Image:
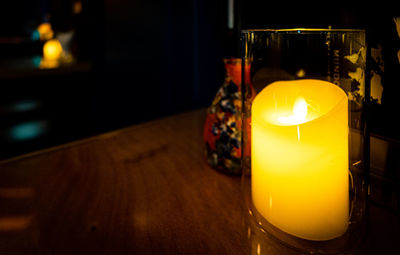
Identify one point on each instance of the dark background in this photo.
(139, 60)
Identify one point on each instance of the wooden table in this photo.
(145, 189)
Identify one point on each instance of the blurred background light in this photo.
(36, 61)
(52, 49)
(77, 7)
(45, 31)
(35, 35)
(24, 106)
(28, 130)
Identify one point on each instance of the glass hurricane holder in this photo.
(305, 176)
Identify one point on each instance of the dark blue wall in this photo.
(147, 59)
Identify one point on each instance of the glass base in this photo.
(265, 238)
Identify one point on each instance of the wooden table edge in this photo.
(96, 137)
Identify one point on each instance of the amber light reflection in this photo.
(19, 221)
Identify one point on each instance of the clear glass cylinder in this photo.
(305, 171)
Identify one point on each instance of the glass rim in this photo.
(301, 30)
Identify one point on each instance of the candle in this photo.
(52, 49)
(299, 157)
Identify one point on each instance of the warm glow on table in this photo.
(299, 158)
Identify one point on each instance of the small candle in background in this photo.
(52, 49)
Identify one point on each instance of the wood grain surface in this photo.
(140, 190)
(145, 189)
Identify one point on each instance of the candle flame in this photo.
(300, 109)
(299, 113)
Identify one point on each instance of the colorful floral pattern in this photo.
(223, 126)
